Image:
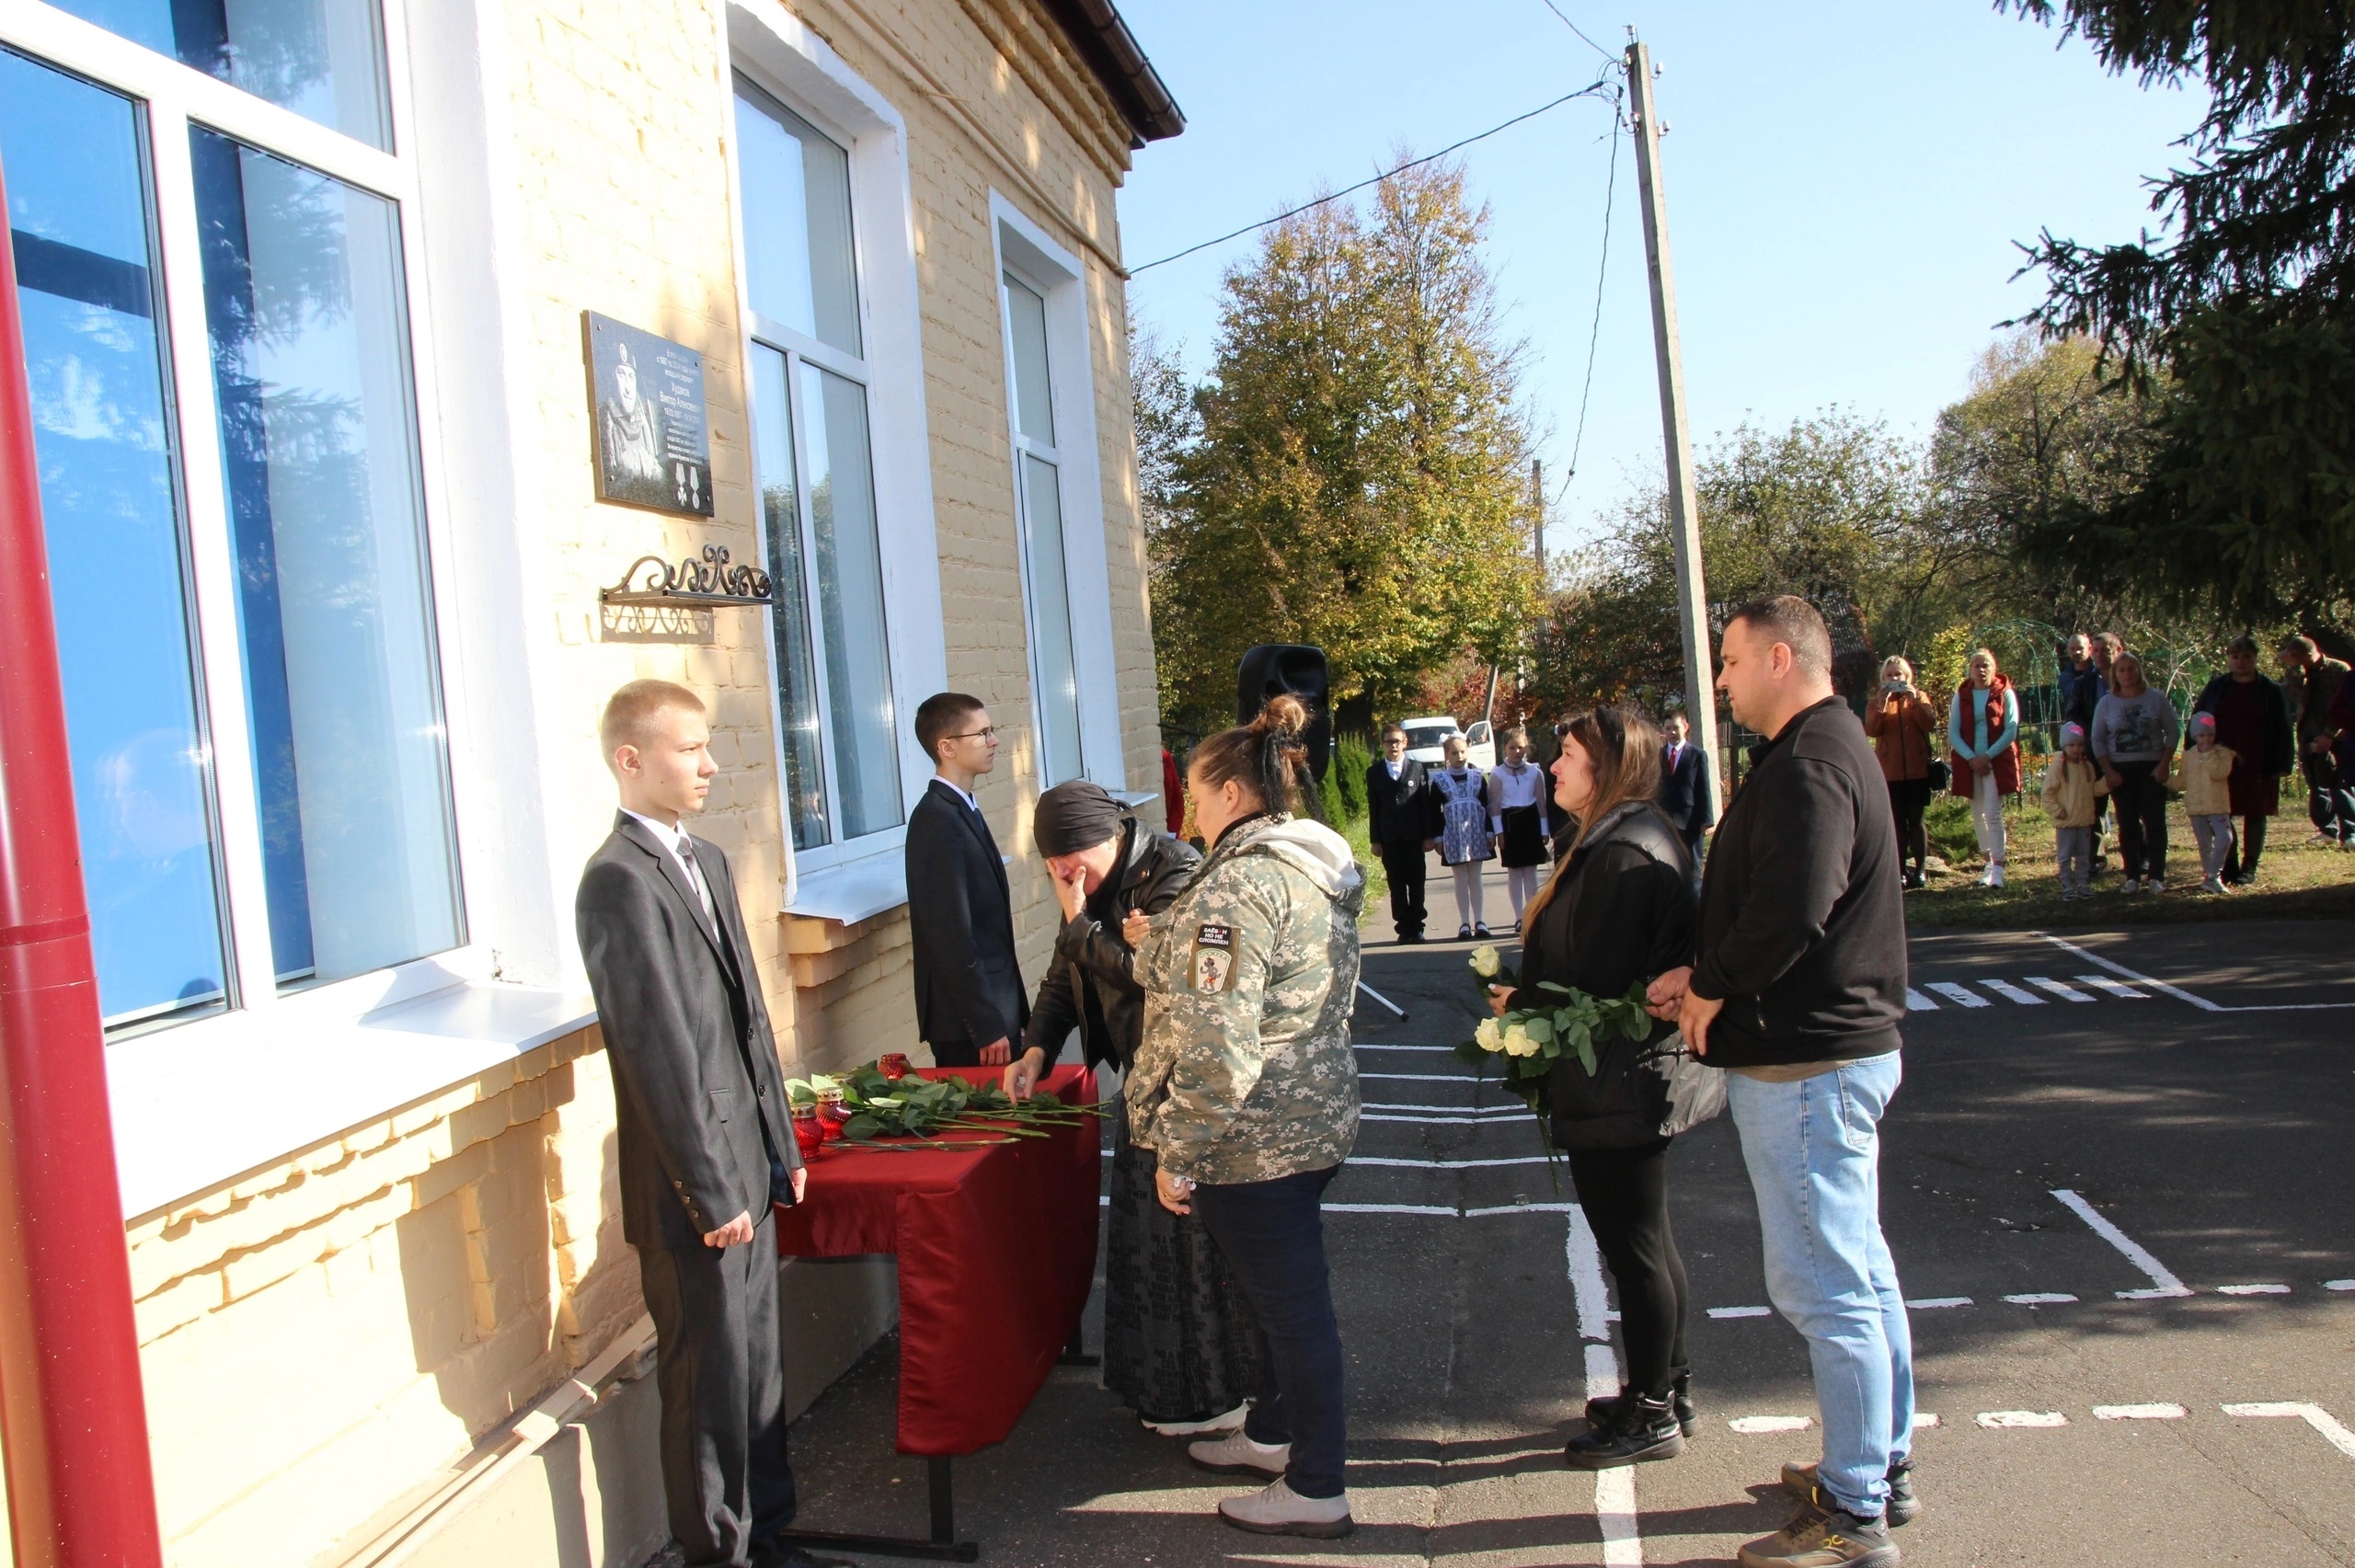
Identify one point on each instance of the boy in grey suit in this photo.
(704, 1136)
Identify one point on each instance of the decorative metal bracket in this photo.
(691, 584)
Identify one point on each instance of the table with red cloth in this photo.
(997, 1254)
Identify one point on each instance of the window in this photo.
(1038, 501)
(218, 347)
(1058, 505)
(815, 464)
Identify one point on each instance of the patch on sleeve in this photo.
(1213, 967)
(1214, 936)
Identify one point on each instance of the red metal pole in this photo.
(73, 1415)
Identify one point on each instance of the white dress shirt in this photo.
(674, 838)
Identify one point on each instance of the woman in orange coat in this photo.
(1900, 719)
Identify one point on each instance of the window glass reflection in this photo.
(805, 784)
(323, 58)
(794, 184)
(78, 222)
(304, 299)
(1050, 601)
(850, 600)
(1034, 403)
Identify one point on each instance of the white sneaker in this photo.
(2213, 884)
(2133, 884)
(1226, 1423)
(1995, 875)
(1237, 1454)
(2156, 885)
(1277, 1509)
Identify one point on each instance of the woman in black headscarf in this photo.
(1179, 1340)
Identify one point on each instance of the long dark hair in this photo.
(1623, 749)
(1266, 757)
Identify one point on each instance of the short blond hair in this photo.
(630, 710)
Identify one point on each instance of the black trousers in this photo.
(722, 1384)
(2330, 803)
(1625, 1195)
(1272, 1235)
(1908, 799)
(1403, 864)
(2248, 847)
(956, 1053)
(2141, 803)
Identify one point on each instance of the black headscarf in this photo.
(1077, 816)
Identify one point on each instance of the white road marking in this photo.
(2313, 1415)
(1522, 1209)
(2138, 1412)
(1451, 1212)
(1994, 1420)
(1741, 1312)
(2252, 1290)
(1924, 1418)
(2066, 994)
(2118, 988)
(2041, 1299)
(1748, 1424)
(1614, 1490)
(2182, 995)
(2163, 1283)
(1916, 1003)
(2011, 992)
(2338, 1285)
(1938, 1303)
(1956, 994)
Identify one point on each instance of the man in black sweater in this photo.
(1398, 821)
(1797, 990)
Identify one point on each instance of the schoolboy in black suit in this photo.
(1397, 797)
(704, 1137)
(1684, 786)
(970, 1003)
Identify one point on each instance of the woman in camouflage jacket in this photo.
(1246, 1091)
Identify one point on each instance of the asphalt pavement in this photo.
(2120, 1183)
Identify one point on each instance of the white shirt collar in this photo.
(962, 793)
(669, 837)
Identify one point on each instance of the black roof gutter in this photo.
(1104, 41)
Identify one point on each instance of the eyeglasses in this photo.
(969, 734)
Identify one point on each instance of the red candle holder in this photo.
(832, 1113)
(894, 1066)
(808, 1132)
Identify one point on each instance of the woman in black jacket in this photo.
(1618, 911)
(1180, 1345)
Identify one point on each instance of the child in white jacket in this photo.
(2205, 775)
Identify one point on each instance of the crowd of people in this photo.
(1218, 978)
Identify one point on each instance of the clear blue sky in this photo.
(1845, 184)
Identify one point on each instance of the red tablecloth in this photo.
(997, 1253)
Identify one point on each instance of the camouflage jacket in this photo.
(1245, 1071)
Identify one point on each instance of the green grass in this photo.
(1377, 886)
(2298, 878)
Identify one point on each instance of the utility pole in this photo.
(1683, 505)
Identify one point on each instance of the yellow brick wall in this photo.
(321, 1338)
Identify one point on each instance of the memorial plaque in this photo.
(653, 439)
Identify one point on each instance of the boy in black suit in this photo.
(971, 1003)
(1398, 797)
(704, 1137)
(1684, 786)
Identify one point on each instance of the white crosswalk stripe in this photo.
(2066, 994)
(1957, 994)
(1916, 1003)
(2011, 992)
(2116, 987)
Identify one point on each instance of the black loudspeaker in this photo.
(1292, 668)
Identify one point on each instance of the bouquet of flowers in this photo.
(1527, 1041)
(877, 1106)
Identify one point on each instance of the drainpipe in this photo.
(72, 1416)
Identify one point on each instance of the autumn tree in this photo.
(1354, 479)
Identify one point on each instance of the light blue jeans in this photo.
(1813, 1151)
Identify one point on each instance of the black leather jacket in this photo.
(1089, 985)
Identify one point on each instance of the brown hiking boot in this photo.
(1903, 1506)
(1824, 1535)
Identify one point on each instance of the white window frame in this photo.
(1022, 248)
(770, 48)
(175, 96)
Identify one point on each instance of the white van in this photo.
(1425, 736)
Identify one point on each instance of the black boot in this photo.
(1599, 1411)
(1641, 1429)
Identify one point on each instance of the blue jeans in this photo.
(1272, 1234)
(1813, 1151)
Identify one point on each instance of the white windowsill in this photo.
(181, 1127)
(853, 891)
(1134, 799)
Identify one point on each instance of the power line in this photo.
(1596, 87)
(1581, 32)
(1601, 269)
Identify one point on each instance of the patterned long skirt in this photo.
(1180, 1343)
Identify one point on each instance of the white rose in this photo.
(1518, 1042)
(1487, 961)
(1489, 1036)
